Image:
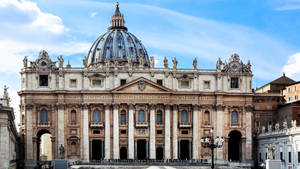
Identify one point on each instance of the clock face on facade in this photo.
(235, 66)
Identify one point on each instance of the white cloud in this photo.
(93, 14)
(36, 19)
(292, 67)
(285, 5)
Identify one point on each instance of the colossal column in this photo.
(248, 120)
(28, 121)
(167, 132)
(175, 124)
(219, 128)
(130, 133)
(107, 131)
(60, 124)
(116, 133)
(85, 132)
(195, 132)
(152, 132)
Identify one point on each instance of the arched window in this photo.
(44, 116)
(123, 117)
(73, 116)
(206, 118)
(141, 116)
(73, 148)
(184, 116)
(96, 116)
(159, 117)
(234, 117)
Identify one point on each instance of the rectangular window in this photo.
(281, 157)
(298, 156)
(184, 132)
(289, 99)
(158, 131)
(290, 157)
(296, 97)
(159, 117)
(123, 131)
(206, 84)
(185, 84)
(97, 83)
(234, 82)
(289, 90)
(73, 83)
(260, 157)
(269, 107)
(123, 81)
(96, 131)
(43, 80)
(159, 81)
(295, 88)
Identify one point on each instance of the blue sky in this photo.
(266, 32)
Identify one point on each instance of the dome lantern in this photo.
(117, 19)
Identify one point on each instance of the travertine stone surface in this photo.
(130, 134)
(85, 134)
(195, 132)
(29, 143)
(175, 140)
(107, 132)
(152, 133)
(167, 132)
(116, 149)
(60, 126)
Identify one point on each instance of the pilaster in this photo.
(248, 121)
(60, 124)
(219, 129)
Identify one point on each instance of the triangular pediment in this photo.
(141, 85)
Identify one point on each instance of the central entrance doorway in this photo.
(159, 153)
(141, 149)
(97, 149)
(235, 146)
(123, 153)
(185, 150)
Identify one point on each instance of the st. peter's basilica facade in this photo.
(120, 106)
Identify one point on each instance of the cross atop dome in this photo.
(117, 20)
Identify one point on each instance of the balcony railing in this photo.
(142, 124)
(44, 124)
(185, 125)
(96, 124)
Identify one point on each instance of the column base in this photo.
(29, 164)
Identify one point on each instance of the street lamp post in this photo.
(210, 142)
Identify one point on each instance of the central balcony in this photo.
(185, 125)
(96, 124)
(141, 124)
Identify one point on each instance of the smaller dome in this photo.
(117, 44)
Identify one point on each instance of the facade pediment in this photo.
(142, 85)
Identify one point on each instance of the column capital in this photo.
(195, 106)
(249, 108)
(85, 105)
(152, 106)
(175, 107)
(29, 106)
(220, 107)
(60, 105)
(131, 106)
(167, 106)
(107, 105)
(116, 105)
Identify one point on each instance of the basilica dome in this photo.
(118, 45)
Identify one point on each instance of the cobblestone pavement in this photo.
(148, 167)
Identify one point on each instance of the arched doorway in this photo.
(123, 153)
(44, 146)
(235, 146)
(159, 153)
